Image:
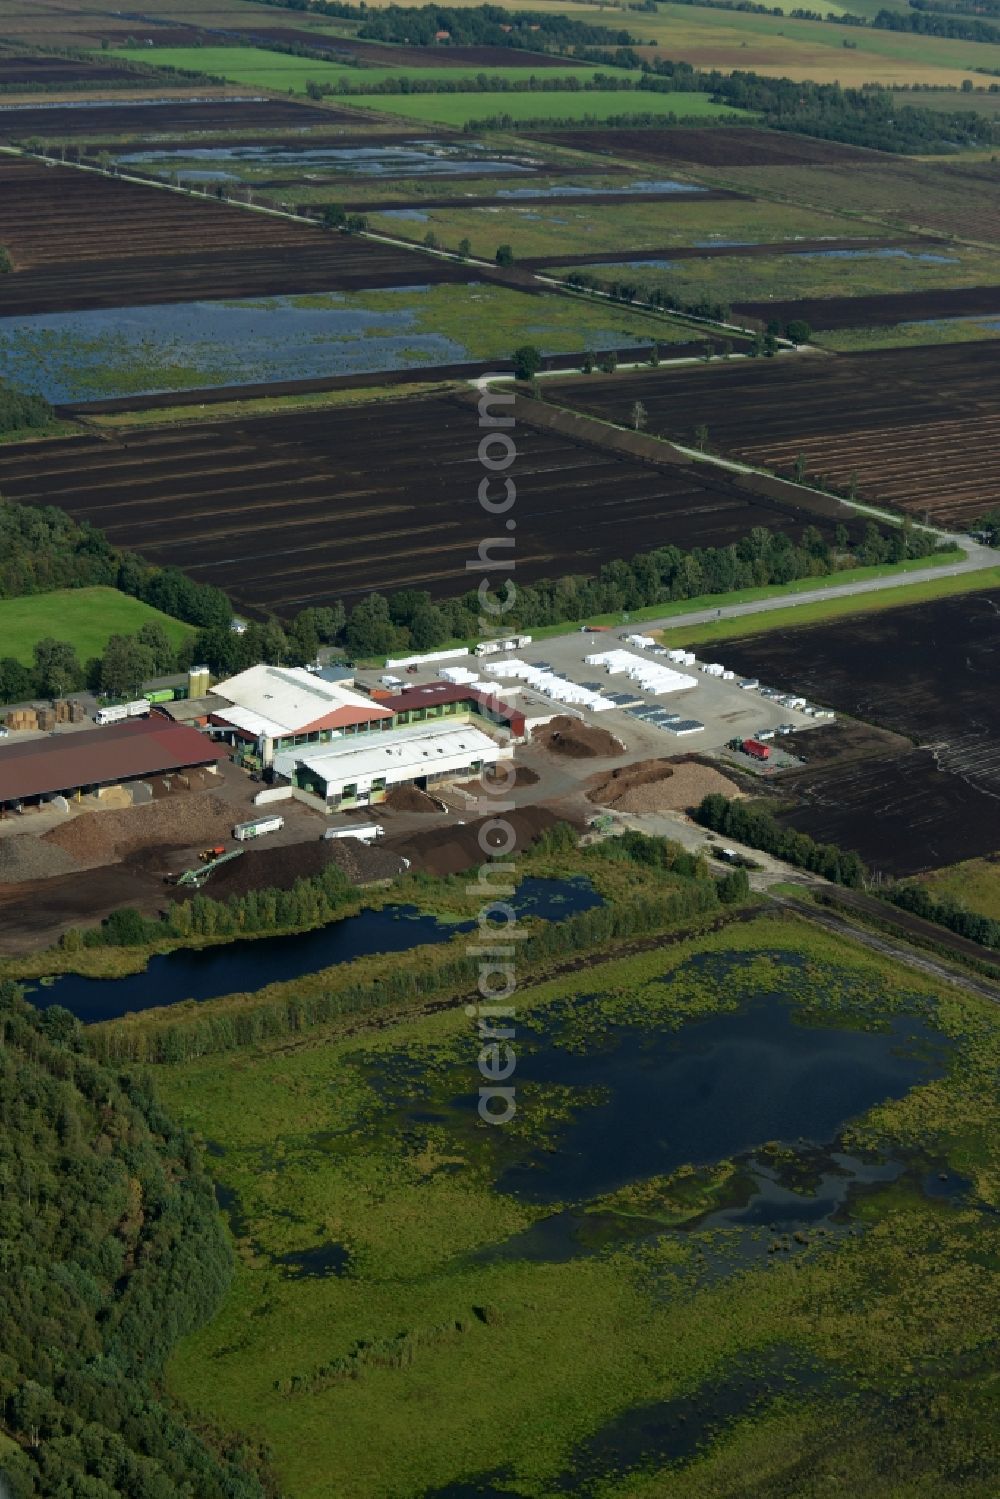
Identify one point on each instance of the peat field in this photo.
(715, 145)
(917, 427)
(145, 118)
(297, 509)
(928, 672)
(81, 240)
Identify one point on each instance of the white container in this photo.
(366, 832)
(257, 829)
(112, 715)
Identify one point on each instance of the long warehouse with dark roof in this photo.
(93, 758)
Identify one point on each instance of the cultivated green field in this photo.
(260, 68)
(86, 617)
(574, 226)
(596, 104)
(423, 1301)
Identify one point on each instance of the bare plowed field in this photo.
(144, 120)
(880, 311)
(56, 72)
(69, 233)
(928, 672)
(713, 146)
(301, 509)
(918, 427)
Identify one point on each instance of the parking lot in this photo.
(705, 716)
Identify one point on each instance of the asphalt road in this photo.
(976, 559)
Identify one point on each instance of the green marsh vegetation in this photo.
(566, 225)
(529, 1306)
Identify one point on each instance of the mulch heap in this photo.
(580, 741)
(279, 868)
(180, 821)
(410, 799)
(449, 850)
(658, 786)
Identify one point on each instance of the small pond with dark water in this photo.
(247, 965)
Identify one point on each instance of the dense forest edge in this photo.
(113, 1250)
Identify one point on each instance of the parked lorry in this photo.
(257, 829)
(121, 711)
(501, 643)
(367, 832)
(756, 750)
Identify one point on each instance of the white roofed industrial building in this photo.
(359, 772)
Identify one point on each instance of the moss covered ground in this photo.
(385, 1337)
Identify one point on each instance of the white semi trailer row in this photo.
(117, 714)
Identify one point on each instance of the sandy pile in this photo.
(580, 741)
(658, 786)
(25, 857)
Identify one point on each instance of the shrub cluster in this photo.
(758, 829)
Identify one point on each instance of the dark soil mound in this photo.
(279, 868)
(450, 850)
(410, 799)
(579, 741)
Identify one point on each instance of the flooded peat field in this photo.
(717, 1154)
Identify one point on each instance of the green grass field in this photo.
(86, 617)
(459, 109)
(574, 226)
(259, 68)
(461, 1362)
(974, 884)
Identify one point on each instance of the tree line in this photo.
(757, 829)
(410, 619)
(112, 1251)
(19, 410)
(944, 912)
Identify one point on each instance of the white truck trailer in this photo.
(137, 709)
(257, 828)
(367, 832)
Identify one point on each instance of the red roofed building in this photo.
(445, 699)
(271, 709)
(67, 764)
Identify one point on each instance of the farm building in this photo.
(452, 700)
(270, 709)
(93, 760)
(360, 771)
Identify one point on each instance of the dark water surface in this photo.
(208, 972)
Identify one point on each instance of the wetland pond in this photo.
(758, 1089)
(244, 966)
(123, 351)
(417, 158)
